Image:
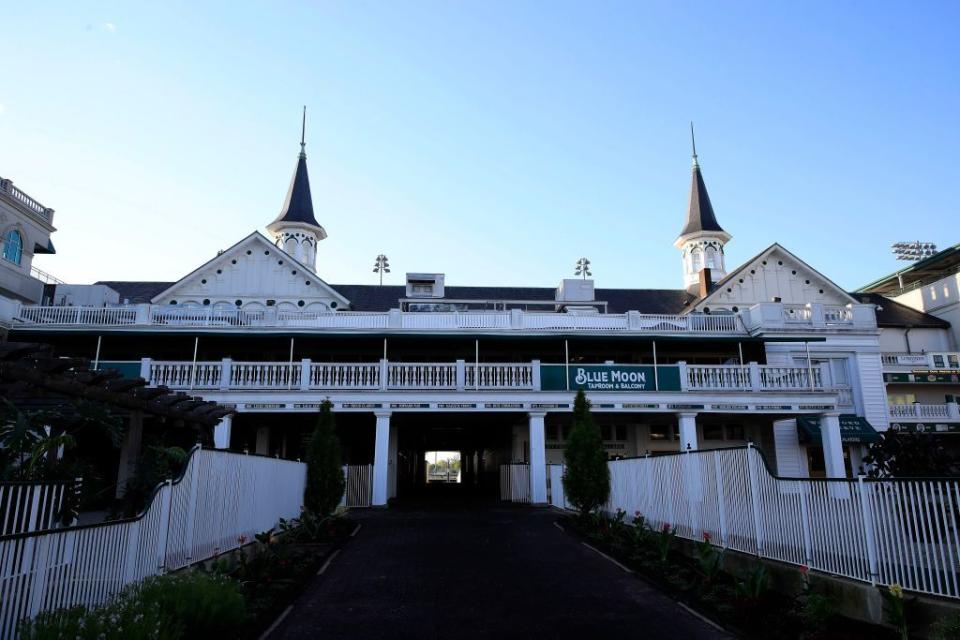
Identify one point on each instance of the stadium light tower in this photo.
(381, 265)
(913, 251)
(583, 268)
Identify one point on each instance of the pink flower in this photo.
(636, 513)
(804, 570)
(665, 528)
(706, 536)
(242, 540)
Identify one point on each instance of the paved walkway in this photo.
(478, 572)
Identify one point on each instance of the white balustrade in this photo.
(7, 186)
(499, 376)
(775, 378)
(917, 410)
(718, 378)
(340, 375)
(797, 313)
(222, 500)
(422, 375)
(837, 315)
(264, 375)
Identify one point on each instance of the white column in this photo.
(832, 445)
(392, 464)
(381, 460)
(538, 459)
(221, 432)
(688, 431)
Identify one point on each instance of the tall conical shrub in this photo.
(325, 481)
(587, 478)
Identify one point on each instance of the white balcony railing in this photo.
(753, 377)
(304, 375)
(926, 360)
(916, 411)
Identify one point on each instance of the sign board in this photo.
(925, 427)
(609, 377)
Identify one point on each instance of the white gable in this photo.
(256, 274)
(774, 275)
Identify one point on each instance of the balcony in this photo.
(306, 375)
(947, 412)
(939, 360)
(761, 318)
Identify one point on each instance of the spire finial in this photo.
(693, 143)
(303, 132)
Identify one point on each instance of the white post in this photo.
(755, 382)
(164, 528)
(192, 503)
(384, 373)
(226, 366)
(392, 464)
(304, 374)
(381, 460)
(802, 489)
(222, 431)
(96, 357)
(145, 364)
(535, 375)
(755, 497)
(866, 508)
(688, 431)
(538, 459)
(684, 382)
(462, 375)
(832, 445)
(953, 410)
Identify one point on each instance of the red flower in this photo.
(804, 569)
(665, 528)
(706, 536)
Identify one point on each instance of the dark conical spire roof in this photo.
(298, 205)
(700, 215)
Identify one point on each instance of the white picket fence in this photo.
(877, 531)
(222, 500)
(31, 506)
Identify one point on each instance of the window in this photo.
(12, 246)
(660, 432)
(553, 432)
(735, 432)
(712, 432)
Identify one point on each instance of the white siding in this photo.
(873, 392)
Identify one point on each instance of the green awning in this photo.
(852, 429)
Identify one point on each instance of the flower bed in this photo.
(694, 573)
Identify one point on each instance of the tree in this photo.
(325, 481)
(909, 455)
(587, 478)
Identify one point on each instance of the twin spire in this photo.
(700, 216)
(298, 205)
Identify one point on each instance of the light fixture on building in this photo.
(583, 268)
(913, 251)
(381, 265)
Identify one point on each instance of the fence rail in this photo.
(359, 485)
(220, 499)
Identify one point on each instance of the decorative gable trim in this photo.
(773, 273)
(256, 273)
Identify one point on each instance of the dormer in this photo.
(425, 285)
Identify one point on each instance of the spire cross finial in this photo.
(693, 143)
(303, 131)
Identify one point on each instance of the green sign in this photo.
(923, 377)
(609, 377)
(852, 429)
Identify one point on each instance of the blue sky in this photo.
(494, 141)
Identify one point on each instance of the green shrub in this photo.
(587, 478)
(171, 607)
(325, 481)
(946, 628)
(199, 605)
